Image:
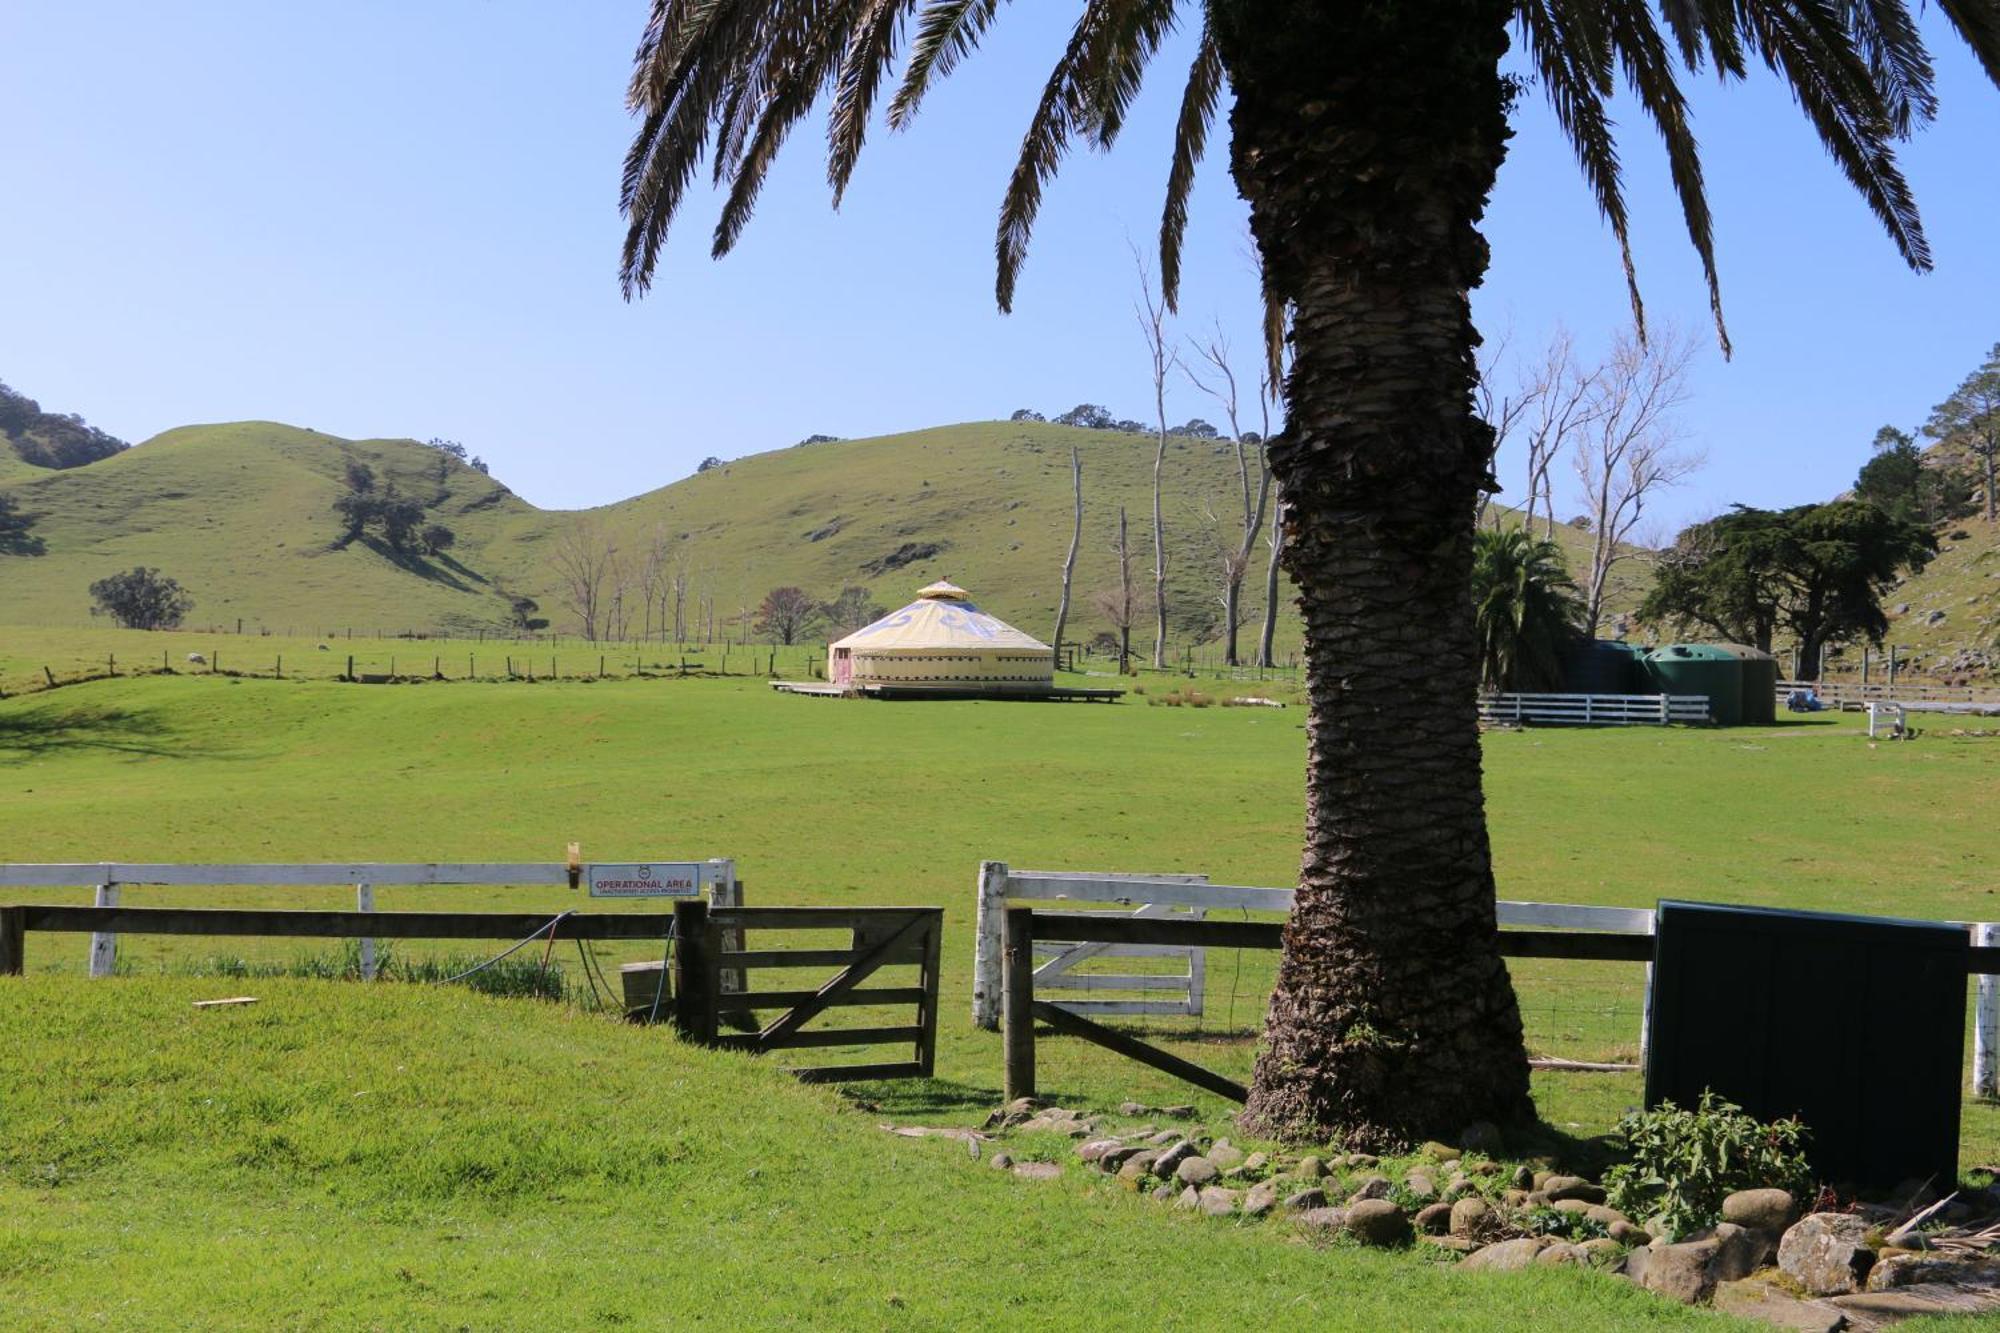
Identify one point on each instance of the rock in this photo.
(1524, 1179)
(1000, 1161)
(1225, 1155)
(1540, 1181)
(1456, 1244)
(1257, 1161)
(1434, 1219)
(1363, 1159)
(1559, 1188)
(1681, 1272)
(1051, 1122)
(1164, 1137)
(1627, 1234)
(1909, 1270)
(1134, 1109)
(1514, 1198)
(1188, 1200)
(1305, 1200)
(1739, 1251)
(1827, 1254)
(1219, 1202)
(1484, 1169)
(1038, 1171)
(1378, 1222)
(1473, 1218)
(1764, 1210)
(1375, 1187)
(1170, 1158)
(1605, 1216)
(1508, 1255)
(1602, 1253)
(1420, 1185)
(1934, 618)
(1013, 1113)
(1093, 1149)
(1261, 1199)
(1177, 1112)
(1138, 1165)
(1437, 1152)
(1117, 1157)
(1309, 1168)
(1562, 1254)
(1767, 1305)
(1909, 1238)
(1483, 1137)
(1573, 1207)
(1162, 1192)
(1901, 609)
(1322, 1221)
(1196, 1171)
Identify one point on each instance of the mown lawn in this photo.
(423, 1158)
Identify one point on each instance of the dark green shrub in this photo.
(1684, 1163)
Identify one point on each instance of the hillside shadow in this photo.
(918, 1099)
(21, 543)
(38, 733)
(441, 568)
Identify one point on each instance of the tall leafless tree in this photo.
(653, 582)
(1116, 603)
(583, 559)
(1221, 386)
(1152, 313)
(1501, 411)
(1562, 399)
(1075, 540)
(1629, 449)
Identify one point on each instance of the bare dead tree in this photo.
(653, 581)
(1560, 401)
(1115, 604)
(583, 558)
(1500, 411)
(1629, 450)
(1075, 540)
(617, 582)
(1236, 557)
(679, 584)
(1152, 314)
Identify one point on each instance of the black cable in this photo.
(661, 989)
(510, 949)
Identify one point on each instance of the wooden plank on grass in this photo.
(1134, 1049)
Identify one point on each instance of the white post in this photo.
(1197, 973)
(364, 900)
(104, 943)
(1664, 715)
(1986, 1020)
(992, 912)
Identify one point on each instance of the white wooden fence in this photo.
(1595, 710)
(717, 876)
(999, 887)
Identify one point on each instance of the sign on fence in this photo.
(660, 879)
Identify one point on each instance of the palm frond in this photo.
(1204, 89)
(1064, 106)
(1898, 62)
(1127, 40)
(870, 53)
(948, 32)
(1978, 22)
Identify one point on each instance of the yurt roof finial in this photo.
(943, 591)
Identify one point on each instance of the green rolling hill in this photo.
(242, 514)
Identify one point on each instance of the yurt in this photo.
(943, 643)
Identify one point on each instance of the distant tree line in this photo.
(453, 449)
(52, 439)
(1092, 416)
(787, 614)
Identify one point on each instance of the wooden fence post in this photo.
(103, 944)
(13, 940)
(364, 901)
(1986, 1020)
(694, 972)
(1018, 1004)
(992, 898)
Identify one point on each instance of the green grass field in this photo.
(835, 802)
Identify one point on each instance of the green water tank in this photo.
(1701, 668)
(1760, 683)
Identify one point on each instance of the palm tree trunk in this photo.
(1366, 138)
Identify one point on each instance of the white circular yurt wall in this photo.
(942, 641)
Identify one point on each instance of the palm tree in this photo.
(1365, 138)
(1525, 609)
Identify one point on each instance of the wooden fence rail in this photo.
(1020, 1010)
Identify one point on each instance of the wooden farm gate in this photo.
(709, 944)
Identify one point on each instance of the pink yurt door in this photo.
(843, 667)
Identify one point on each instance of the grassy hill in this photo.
(242, 515)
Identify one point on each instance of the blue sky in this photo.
(396, 219)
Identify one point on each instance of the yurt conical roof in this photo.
(943, 616)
